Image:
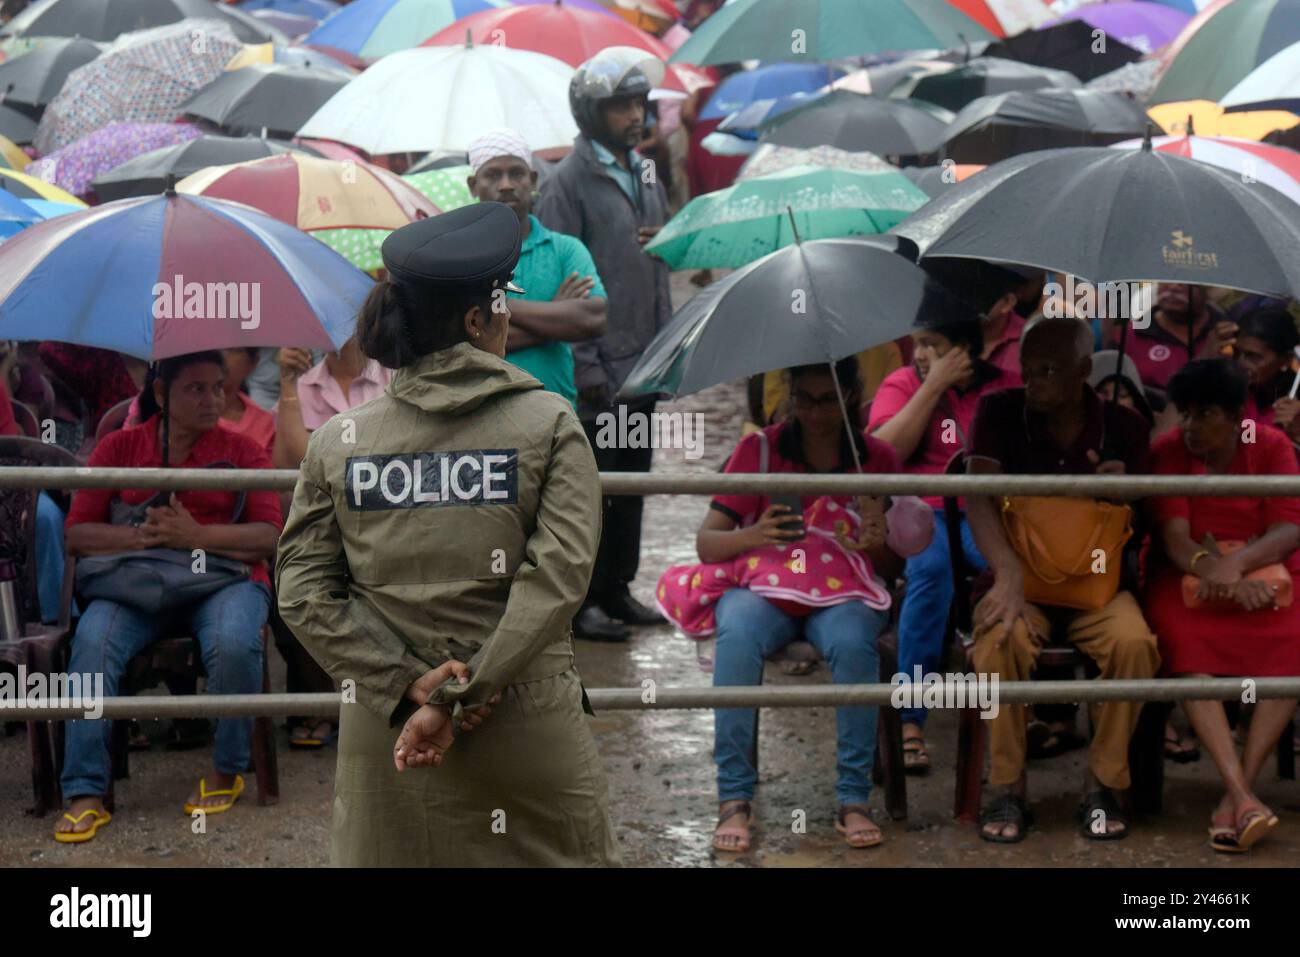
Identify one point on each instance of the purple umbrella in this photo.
(75, 165)
(1141, 25)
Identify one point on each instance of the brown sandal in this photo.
(1254, 820)
(849, 836)
(916, 759)
(742, 807)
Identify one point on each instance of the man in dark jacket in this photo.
(609, 197)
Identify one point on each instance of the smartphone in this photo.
(795, 504)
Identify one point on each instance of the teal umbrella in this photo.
(735, 226)
(816, 30)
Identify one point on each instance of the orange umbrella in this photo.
(1207, 118)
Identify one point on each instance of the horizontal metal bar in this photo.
(711, 483)
(634, 699)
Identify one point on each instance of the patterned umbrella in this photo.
(445, 187)
(160, 276)
(141, 78)
(29, 187)
(352, 207)
(75, 165)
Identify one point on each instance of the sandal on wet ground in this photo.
(1043, 741)
(742, 807)
(916, 758)
(232, 793)
(311, 739)
(80, 837)
(860, 836)
(1223, 833)
(1006, 808)
(1181, 749)
(1098, 809)
(1254, 821)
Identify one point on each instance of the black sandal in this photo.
(1180, 749)
(1006, 808)
(1102, 801)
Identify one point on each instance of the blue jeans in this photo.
(49, 556)
(228, 626)
(749, 629)
(924, 615)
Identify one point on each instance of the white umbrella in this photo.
(442, 97)
(1273, 85)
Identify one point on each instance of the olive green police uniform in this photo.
(456, 516)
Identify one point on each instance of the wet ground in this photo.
(660, 769)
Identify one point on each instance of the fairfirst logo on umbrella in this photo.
(209, 300)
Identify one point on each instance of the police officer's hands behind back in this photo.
(427, 734)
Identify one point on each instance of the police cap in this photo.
(474, 246)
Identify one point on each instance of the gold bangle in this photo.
(1197, 557)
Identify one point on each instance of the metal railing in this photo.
(677, 699)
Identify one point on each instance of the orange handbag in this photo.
(1275, 574)
(1057, 541)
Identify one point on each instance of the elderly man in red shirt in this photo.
(226, 622)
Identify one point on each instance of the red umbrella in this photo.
(1004, 18)
(570, 34)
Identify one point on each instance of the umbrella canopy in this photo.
(997, 127)
(748, 120)
(569, 34)
(389, 109)
(16, 215)
(290, 24)
(769, 82)
(1276, 166)
(1210, 119)
(148, 173)
(371, 29)
(318, 9)
(440, 159)
(11, 155)
(1066, 46)
(652, 16)
(828, 29)
(161, 276)
(109, 19)
(19, 123)
(446, 188)
(933, 180)
(736, 225)
(770, 158)
(982, 76)
(29, 187)
(1132, 216)
(289, 56)
(1273, 85)
(1138, 78)
(74, 166)
(1221, 46)
(1189, 7)
(1141, 25)
(264, 96)
(882, 78)
(859, 293)
(141, 78)
(35, 78)
(1005, 18)
(851, 121)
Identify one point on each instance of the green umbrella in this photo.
(811, 31)
(737, 225)
(1213, 58)
(445, 187)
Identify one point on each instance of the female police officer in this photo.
(456, 517)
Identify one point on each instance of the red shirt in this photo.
(8, 425)
(1159, 354)
(138, 447)
(97, 375)
(1006, 352)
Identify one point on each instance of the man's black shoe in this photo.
(630, 611)
(592, 624)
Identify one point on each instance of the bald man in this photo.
(1055, 424)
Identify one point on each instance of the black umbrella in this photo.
(932, 180)
(856, 122)
(1067, 46)
(441, 159)
(995, 128)
(264, 96)
(18, 122)
(983, 76)
(107, 19)
(1118, 216)
(36, 77)
(147, 174)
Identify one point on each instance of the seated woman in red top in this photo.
(227, 623)
(1266, 341)
(1236, 628)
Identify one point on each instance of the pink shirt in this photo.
(943, 438)
(1006, 352)
(321, 398)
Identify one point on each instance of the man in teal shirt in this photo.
(564, 300)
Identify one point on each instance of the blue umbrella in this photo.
(746, 121)
(769, 82)
(316, 9)
(16, 215)
(165, 275)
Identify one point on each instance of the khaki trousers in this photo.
(1116, 637)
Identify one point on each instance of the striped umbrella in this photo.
(1274, 85)
(29, 187)
(352, 207)
(74, 166)
(141, 78)
(371, 29)
(1274, 166)
(161, 276)
(16, 215)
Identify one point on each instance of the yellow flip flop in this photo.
(79, 837)
(232, 793)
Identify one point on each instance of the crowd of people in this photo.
(997, 378)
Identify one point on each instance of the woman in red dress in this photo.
(1237, 629)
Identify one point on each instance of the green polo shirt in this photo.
(546, 258)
